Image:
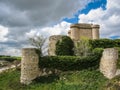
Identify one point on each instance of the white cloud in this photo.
(108, 19)
(58, 29)
(32, 33)
(11, 51)
(3, 32)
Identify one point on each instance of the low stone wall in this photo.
(108, 62)
(29, 65)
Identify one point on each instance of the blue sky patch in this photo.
(92, 5)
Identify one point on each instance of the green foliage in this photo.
(65, 46)
(104, 43)
(82, 47)
(97, 52)
(74, 80)
(9, 58)
(66, 63)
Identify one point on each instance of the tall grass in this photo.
(70, 80)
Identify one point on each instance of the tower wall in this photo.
(95, 31)
(85, 33)
(90, 31)
(75, 33)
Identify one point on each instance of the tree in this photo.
(64, 46)
(82, 47)
(38, 42)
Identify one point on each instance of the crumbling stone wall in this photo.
(108, 62)
(52, 44)
(29, 65)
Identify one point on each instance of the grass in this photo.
(70, 80)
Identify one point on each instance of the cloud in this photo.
(108, 19)
(61, 28)
(28, 16)
(37, 12)
(3, 33)
(9, 51)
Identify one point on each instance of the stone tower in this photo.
(77, 31)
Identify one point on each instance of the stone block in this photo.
(29, 65)
(108, 62)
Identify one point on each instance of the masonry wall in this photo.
(77, 31)
(108, 62)
(52, 44)
(95, 31)
(85, 33)
(29, 65)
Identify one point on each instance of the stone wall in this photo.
(52, 44)
(95, 31)
(29, 65)
(108, 62)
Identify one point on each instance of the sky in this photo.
(21, 19)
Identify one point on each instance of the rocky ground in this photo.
(6, 65)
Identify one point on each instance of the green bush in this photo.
(97, 52)
(104, 43)
(10, 58)
(65, 46)
(82, 47)
(67, 63)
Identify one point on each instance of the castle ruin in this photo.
(52, 44)
(76, 32)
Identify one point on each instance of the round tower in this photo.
(69, 33)
(95, 31)
(74, 32)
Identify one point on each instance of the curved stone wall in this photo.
(95, 31)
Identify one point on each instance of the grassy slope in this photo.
(77, 80)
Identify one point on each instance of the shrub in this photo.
(64, 46)
(82, 47)
(10, 58)
(97, 52)
(66, 63)
(104, 43)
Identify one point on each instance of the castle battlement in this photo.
(90, 31)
